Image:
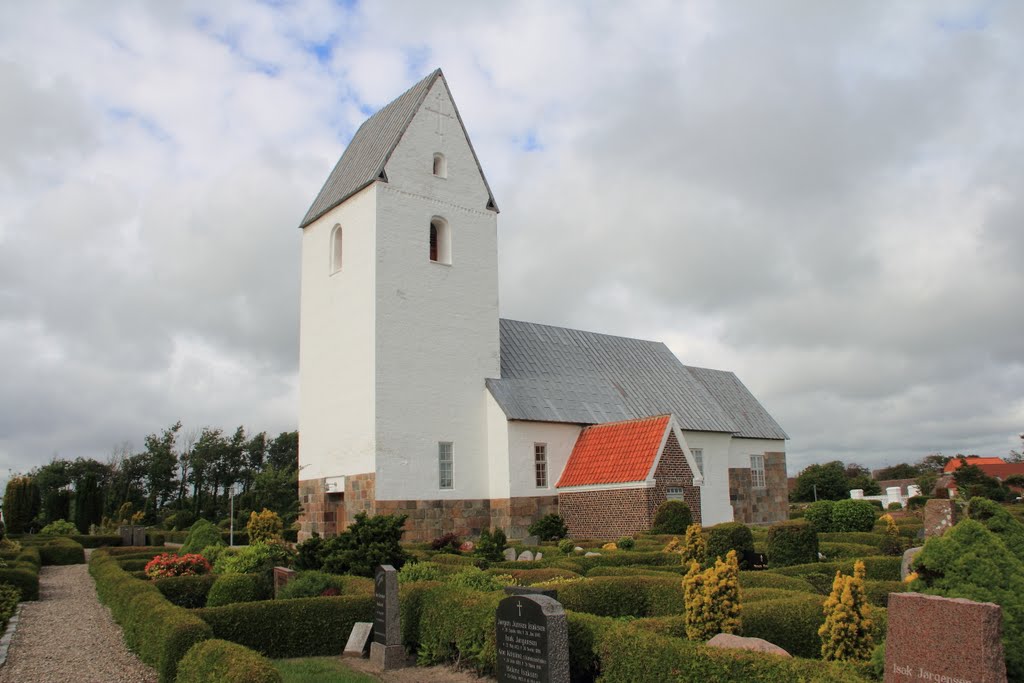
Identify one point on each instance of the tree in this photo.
(900, 471)
(828, 479)
(712, 598)
(161, 465)
(21, 504)
(972, 481)
(88, 503)
(283, 451)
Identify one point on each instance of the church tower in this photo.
(399, 318)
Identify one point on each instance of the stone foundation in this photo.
(760, 506)
(320, 509)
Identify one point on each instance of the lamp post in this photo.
(231, 537)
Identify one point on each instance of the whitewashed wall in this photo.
(714, 494)
(560, 439)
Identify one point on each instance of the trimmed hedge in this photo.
(790, 543)
(863, 537)
(61, 551)
(624, 596)
(878, 591)
(97, 541)
(218, 661)
(303, 627)
(773, 580)
(878, 568)
(527, 577)
(750, 595)
(229, 589)
(729, 536)
(854, 515)
(186, 591)
(819, 515)
(844, 551)
(637, 570)
(159, 632)
(24, 579)
(672, 517)
(457, 625)
(791, 623)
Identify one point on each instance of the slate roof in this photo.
(751, 419)
(615, 453)
(555, 374)
(368, 152)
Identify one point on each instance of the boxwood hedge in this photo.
(218, 661)
(624, 596)
(186, 591)
(232, 588)
(24, 577)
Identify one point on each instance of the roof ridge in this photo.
(632, 419)
(574, 329)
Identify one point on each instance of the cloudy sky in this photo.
(825, 197)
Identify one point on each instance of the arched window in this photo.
(440, 165)
(336, 249)
(440, 241)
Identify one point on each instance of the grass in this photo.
(319, 670)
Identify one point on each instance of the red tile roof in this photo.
(1003, 469)
(954, 464)
(615, 452)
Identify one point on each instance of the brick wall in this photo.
(674, 471)
(608, 514)
(320, 509)
(760, 506)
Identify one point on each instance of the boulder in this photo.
(728, 641)
(510, 554)
(467, 547)
(592, 554)
(908, 557)
(539, 556)
(525, 556)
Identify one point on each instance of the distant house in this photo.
(993, 467)
(955, 464)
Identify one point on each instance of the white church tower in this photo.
(399, 318)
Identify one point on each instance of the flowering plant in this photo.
(169, 564)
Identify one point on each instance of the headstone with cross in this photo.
(532, 639)
(443, 115)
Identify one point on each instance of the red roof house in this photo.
(620, 472)
(954, 464)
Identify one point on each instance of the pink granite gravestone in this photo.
(953, 640)
(939, 516)
(282, 577)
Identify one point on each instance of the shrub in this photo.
(891, 544)
(609, 546)
(712, 598)
(448, 542)
(916, 502)
(457, 625)
(549, 528)
(21, 504)
(186, 591)
(312, 584)
(878, 591)
(791, 623)
(159, 632)
(729, 536)
(853, 515)
(475, 579)
(627, 543)
(88, 502)
(61, 551)
(9, 598)
(201, 535)
(999, 521)
(304, 627)
(369, 542)
(846, 633)
(566, 546)
(969, 561)
(309, 553)
(761, 579)
(168, 564)
(25, 580)
(60, 527)
(264, 526)
(421, 571)
(694, 548)
(894, 506)
(792, 542)
(258, 558)
(819, 515)
(624, 596)
(527, 577)
(672, 517)
(231, 588)
(218, 661)
(846, 551)
(491, 546)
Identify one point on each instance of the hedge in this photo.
(186, 591)
(218, 661)
(303, 627)
(863, 537)
(878, 591)
(61, 551)
(750, 595)
(638, 570)
(630, 655)
(526, 577)
(877, 568)
(97, 541)
(229, 589)
(729, 536)
(790, 543)
(624, 596)
(761, 579)
(853, 515)
(24, 579)
(411, 597)
(133, 564)
(791, 623)
(159, 632)
(457, 625)
(844, 551)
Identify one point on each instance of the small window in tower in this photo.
(440, 241)
(336, 249)
(540, 464)
(440, 165)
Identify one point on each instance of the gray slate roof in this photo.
(554, 374)
(368, 152)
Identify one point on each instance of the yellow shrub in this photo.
(264, 526)
(712, 598)
(846, 633)
(695, 548)
(674, 546)
(609, 546)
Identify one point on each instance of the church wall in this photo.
(560, 439)
(497, 449)
(714, 494)
(437, 325)
(760, 505)
(336, 343)
(608, 514)
(674, 471)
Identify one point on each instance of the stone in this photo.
(467, 547)
(578, 549)
(943, 639)
(282, 577)
(531, 540)
(538, 557)
(939, 516)
(525, 556)
(908, 558)
(359, 640)
(530, 590)
(754, 561)
(728, 641)
(510, 554)
(532, 640)
(592, 554)
(386, 651)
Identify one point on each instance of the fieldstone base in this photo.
(387, 657)
(760, 505)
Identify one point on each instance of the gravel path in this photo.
(69, 637)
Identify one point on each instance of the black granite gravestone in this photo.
(754, 561)
(532, 640)
(386, 651)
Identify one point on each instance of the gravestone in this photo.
(510, 554)
(532, 539)
(908, 558)
(932, 638)
(359, 640)
(530, 590)
(386, 652)
(525, 556)
(939, 516)
(133, 535)
(282, 577)
(754, 561)
(532, 639)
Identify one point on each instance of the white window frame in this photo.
(698, 457)
(675, 493)
(440, 165)
(445, 465)
(540, 465)
(757, 479)
(337, 248)
(444, 241)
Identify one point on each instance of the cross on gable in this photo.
(442, 114)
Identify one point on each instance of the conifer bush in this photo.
(59, 527)
(712, 598)
(264, 526)
(695, 548)
(847, 631)
(892, 544)
(819, 515)
(549, 528)
(999, 521)
(202, 534)
(791, 543)
(853, 515)
(729, 536)
(672, 517)
(21, 504)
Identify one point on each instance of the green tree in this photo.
(161, 463)
(88, 503)
(828, 479)
(21, 504)
(369, 542)
(971, 481)
(900, 471)
(283, 451)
